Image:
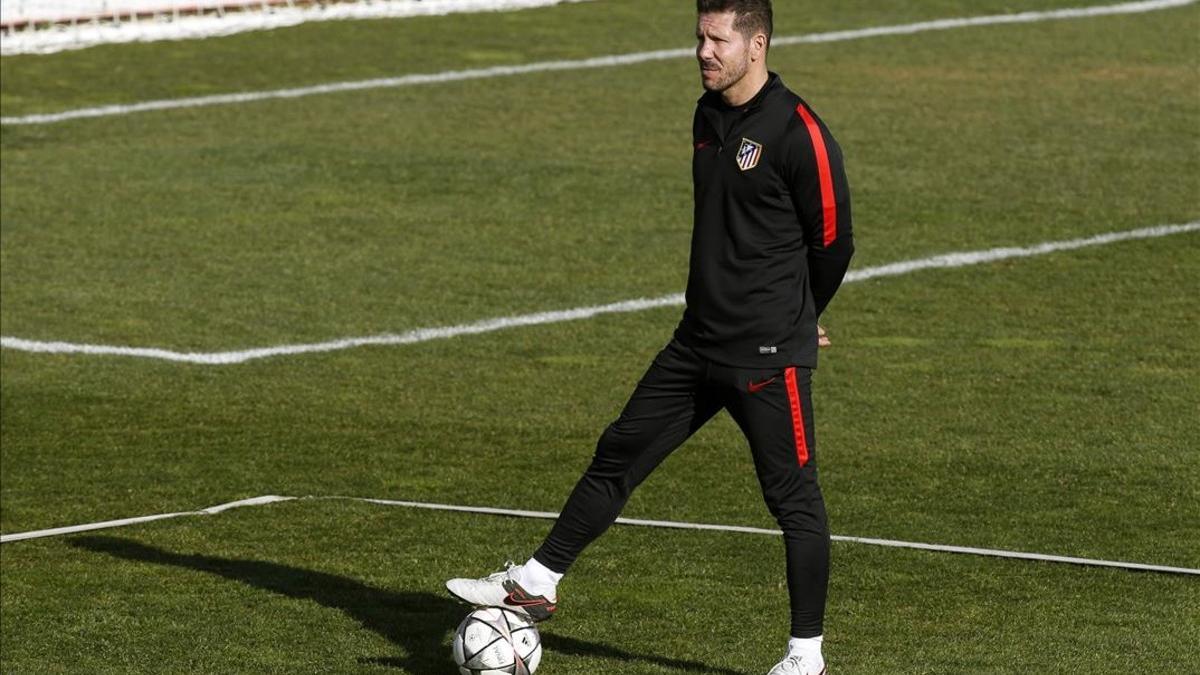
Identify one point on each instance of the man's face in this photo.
(723, 52)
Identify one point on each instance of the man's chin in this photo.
(713, 84)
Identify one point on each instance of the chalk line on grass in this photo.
(123, 522)
(549, 515)
(594, 62)
(944, 261)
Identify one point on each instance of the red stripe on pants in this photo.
(828, 202)
(789, 376)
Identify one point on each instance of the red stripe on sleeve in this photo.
(789, 376)
(828, 202)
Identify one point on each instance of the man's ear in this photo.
(758, 47)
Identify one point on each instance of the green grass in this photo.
(1040, 404)
(353, 50)
(335, 587)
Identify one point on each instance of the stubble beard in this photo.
(731, 74)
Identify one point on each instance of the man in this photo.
(770, 246)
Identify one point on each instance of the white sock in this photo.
(537, 579)
(809, 648)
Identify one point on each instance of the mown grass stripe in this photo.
(943, 261)
(594, 62)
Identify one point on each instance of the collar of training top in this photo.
(712, 99)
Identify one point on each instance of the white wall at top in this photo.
(64, 10)
(194, 26)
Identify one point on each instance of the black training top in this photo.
(772, 240)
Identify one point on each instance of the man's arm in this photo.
(821, 197)
(822, 337)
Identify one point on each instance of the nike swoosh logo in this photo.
(513, 600)
(756, 387)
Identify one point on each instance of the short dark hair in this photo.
(749, 16)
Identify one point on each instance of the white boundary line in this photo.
(104, 525)
(945, 261)
(594, 62)
(549, 515)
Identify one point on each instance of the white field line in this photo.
(948, 260)
(549, 515)
(594, 62)
(78, 34)
(75, 529)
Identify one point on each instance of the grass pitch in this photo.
(1043, 404)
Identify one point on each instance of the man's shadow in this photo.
(417, 622)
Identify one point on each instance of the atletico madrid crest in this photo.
(748, 154)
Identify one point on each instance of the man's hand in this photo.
(822, 337)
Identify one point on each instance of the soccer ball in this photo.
(495, 641)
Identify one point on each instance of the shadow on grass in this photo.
(416, 622)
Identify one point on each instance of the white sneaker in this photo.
(799, 665)
(502, 590)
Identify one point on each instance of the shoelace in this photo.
(506, 573)
(791, 664)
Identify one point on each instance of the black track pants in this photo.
(678, 394)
